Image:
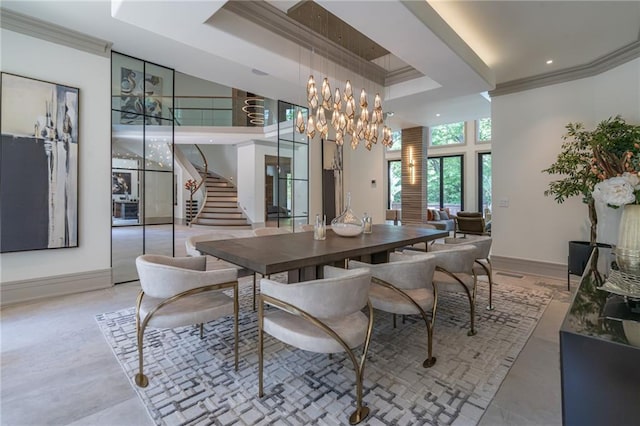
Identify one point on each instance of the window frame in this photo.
(477, 126)
(389, 182)
(462, 178)
(479, 157)
(451, 145)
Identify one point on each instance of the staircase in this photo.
(221, 205)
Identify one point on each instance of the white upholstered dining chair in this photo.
(454, 273)
(190, 245)
(323, 316)
(179, 291)
(482, 265)
(404, 286)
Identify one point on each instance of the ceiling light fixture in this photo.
(549, 61)
(438, 115)
(364, 127)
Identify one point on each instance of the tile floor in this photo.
(58, 369)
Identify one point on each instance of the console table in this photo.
(125, 209)
(600, 367)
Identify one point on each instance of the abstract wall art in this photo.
(38, 165)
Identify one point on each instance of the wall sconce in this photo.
(412, 169)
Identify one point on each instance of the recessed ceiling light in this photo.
(438, 115)
(549, 61)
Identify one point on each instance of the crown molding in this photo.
(54, 33)
(609, 61)
(403, 74)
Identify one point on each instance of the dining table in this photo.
(303, 257)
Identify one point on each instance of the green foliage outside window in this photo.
(445, 171)
(395, 183)
(484, 129)
(447, 134)
(396, 137)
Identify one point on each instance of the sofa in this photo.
(441, 219)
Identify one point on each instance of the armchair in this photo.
(470, 223)
(321, 316)
(404, 286)
(177, 292)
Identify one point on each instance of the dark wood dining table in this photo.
(303, 257)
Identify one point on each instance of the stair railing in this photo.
(203, 179)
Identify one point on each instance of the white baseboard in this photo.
(530, 267)
(12, 292)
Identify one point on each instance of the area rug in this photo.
(193, 382)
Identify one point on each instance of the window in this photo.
(445, 180)
(396, 137)
(483, 130)
(395, 185)
(484, 182)
(447, 134)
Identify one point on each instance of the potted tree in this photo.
(587, 158)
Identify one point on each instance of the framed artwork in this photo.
(120, 183)
(140, 97)
(38, 164)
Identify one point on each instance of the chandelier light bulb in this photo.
(326, 94)
(300, 122)
(337, 105)
(335, 119)
(348, 91)
(311, 127)
(363, 99)
(350, 108)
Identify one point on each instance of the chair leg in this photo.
(235, 322)
(201, 331)
(490, 307)
(254, 292)
(260, 348)
(472, 306)
(394, 320)
(140, 379)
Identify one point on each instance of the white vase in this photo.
(629, 229)
(608, 223)
(628, 248)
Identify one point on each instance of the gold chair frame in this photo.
(471, 295)
(140, 378)
(431, 360)
(489, 271)
(361, 411)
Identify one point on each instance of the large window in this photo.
(483, 130)
(395, 185)
(445, 182)
(396, 137)
(447, 134)
(484, 182)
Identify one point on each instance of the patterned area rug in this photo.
(192, 381)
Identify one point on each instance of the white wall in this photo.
(222, 160)
(35, 58)
(360, 168)
(527, 131)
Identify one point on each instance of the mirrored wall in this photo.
(142, 175)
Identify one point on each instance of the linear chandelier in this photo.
(366, 128)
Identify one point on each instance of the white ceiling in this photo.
(463, 47)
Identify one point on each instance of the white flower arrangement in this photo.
(618, 191)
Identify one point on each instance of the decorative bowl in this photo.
(628, 260)
(346, 229)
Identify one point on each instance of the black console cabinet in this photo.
(600, 368)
